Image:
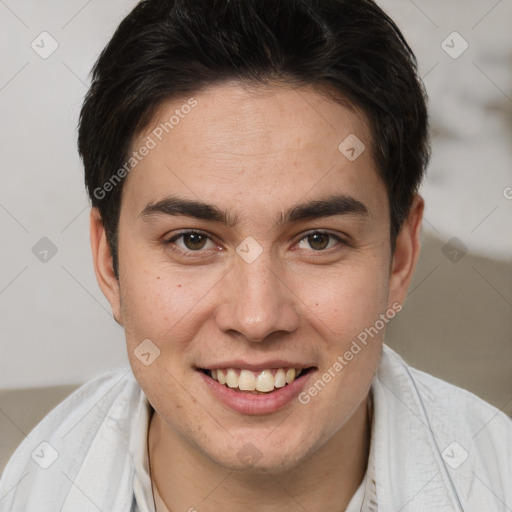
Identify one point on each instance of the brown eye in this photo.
(318, 241)
(189, 242)
(194, 241)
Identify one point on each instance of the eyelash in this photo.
(195, 254)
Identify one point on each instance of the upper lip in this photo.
(265, 365)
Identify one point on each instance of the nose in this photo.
(257, 301)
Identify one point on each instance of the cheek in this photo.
(150, 298)
(163, 302)
(346, 300)
(155, 313)
(156, 309)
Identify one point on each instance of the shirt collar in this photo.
(142, 484)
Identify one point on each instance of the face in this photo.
(284, 263)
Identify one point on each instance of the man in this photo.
(253, 169)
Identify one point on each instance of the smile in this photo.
(261, 382)
(256, 391)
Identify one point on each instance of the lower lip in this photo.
(256, 404)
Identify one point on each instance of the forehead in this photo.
(257, 120)
(255, 145)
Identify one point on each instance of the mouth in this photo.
(261, 382)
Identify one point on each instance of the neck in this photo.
(326, 480)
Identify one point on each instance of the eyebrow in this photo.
(332, 205)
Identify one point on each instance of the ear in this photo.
(407, 250)
(103, 264)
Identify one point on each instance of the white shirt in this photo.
(434, 447)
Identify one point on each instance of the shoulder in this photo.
(443, 400)
(82, 408)
(451, 407)
(46, 462)
(469, 437)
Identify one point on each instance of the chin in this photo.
(256, 456)
(273, 466)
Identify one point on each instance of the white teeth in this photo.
(247, 381)
(290, 375)
(264, 381)
(279, 378)
(232, 378)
